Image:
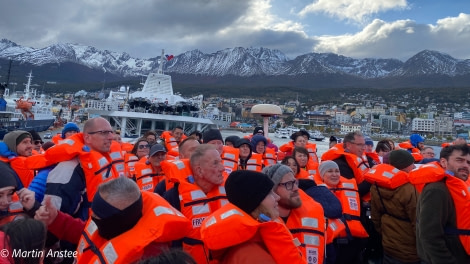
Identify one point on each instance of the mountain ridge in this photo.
(267, 66)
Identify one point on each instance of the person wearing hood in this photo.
(259, 145)
(15, 149)
(247, 159)
(393, 207)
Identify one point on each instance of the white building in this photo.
(421, 125)
(444, 126)
(346, 128)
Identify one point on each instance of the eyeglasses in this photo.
(429, 153)
(37, 142)
(289, 185)
(144, 146)
(102, 132)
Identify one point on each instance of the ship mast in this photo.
(27, 91)
(160, 67)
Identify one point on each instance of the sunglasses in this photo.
(37, 142)
(144, 146)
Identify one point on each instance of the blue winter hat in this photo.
(415, 139)
(369, 141)
(70, 127)
(256, 139)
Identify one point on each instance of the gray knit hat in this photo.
(13, 138)
(326, 165)
(276, 172)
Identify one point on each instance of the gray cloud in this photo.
(402, 39)
(143, 28)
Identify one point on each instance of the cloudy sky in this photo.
(354, 28)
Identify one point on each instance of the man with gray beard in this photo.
(302, 215)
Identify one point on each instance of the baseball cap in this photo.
(156, 148)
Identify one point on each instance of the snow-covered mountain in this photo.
(242, 62)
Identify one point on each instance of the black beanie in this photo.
(400, 159)
(35, 135)
(232, 139)
(211, 134)
(247, 189)
(8, 177)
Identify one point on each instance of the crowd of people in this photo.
(88, 197)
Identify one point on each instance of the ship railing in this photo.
(105, 105)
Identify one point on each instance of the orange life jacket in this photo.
(359, 165)
(459, 191)
(126, 146)
(97, 167)
(312, 152)
(175, 171)
(229, 158)
(347, 193)
(255, 162)
(269, 157)
(146, 177)
(287, 148)
(335, 229)
(18, 164)
(129, 164)
(230, 226)
(307, 224)
(56, 138)
(14, 209)
(171, 144)
(37, 162)
(197, 206)
(387, 176)
(374, 156)
(424, 174)
(281, 155)
(35, 152)
(415, 152)
(159, 223)
(304, 174)
(101, 167)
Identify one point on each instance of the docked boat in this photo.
(286, 132)
(24, 110)
(155, 107)
(282, 133)
(316, 135)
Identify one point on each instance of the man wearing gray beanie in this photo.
(18, 143)
(295, 207)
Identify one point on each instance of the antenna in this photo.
(8, 76)
(160, 67)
